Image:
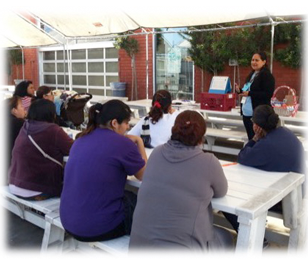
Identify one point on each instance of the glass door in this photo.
(174, 67)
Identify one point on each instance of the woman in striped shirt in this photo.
(25, 90)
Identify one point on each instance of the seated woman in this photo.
(45, 92)
(94, 205)
(25, 90)
(174, 208)
(273, 148)
(31, 175)
(157, 125)
(15, 120)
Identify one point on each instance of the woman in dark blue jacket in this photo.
(258, 89)
(273, 149)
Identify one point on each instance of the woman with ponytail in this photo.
(94, 205)
(174, 201)
(159, 121)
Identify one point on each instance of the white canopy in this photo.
(16, 31)
(115, 18)
(98, 21)
(96, 18)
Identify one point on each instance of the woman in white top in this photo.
(160, 119)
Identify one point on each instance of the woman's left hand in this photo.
(245, 93)
(259, 133)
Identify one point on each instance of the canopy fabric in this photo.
(101, 19)
(90, 23)
(6, 43)
(16, 31)
(101, 22)
(98, 18)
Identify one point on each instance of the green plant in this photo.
(290, 35)
(14, 59)
(131, 47)
(211, 50)
(207, 49)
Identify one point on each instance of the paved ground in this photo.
(24, 236)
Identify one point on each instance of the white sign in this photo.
(220, 84)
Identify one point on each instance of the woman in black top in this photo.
(258, 89)
(15, 117)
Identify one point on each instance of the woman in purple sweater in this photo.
(94, 205)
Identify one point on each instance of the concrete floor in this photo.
(22, 236)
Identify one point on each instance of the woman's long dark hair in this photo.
(102, 114)
(42, 110)
(161, 103)
(21, 89)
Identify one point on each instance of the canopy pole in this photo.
(147, 62)
(272, 43)
(64, 70)
(69, 67)
(23, 62)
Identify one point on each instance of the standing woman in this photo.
(258, 89)
(94, 205)
(160, 120)
(25, 90)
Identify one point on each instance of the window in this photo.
(92, 68)
(174, 67)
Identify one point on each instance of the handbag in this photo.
(145, 133)
(43, 153)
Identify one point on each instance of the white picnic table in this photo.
(251, 193)
(103, 99)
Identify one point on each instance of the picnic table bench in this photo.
(54, 237)
(32, 211)
(251, 194)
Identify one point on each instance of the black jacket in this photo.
(262, 88)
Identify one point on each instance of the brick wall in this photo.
(31, 65)
(31, 68)
(125, 69)
(283, 75)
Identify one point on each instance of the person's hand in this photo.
(237, 88)
(259, 133)
(245, 93)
